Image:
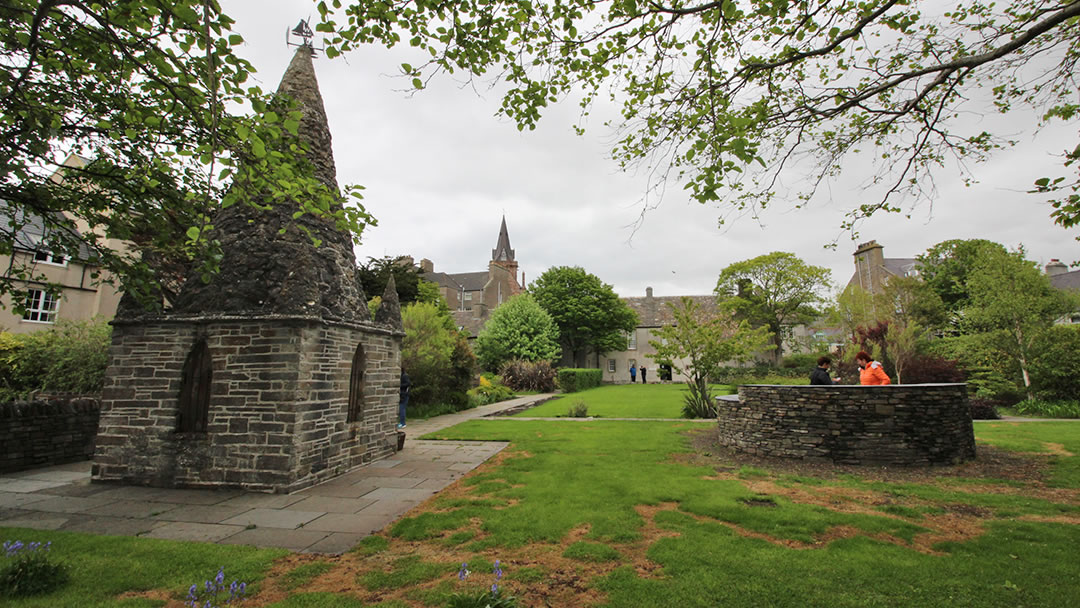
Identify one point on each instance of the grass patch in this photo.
(320, 599)
(528, 574)
(103, 567)
(304, 574)
(592, 552)
(1038, 437)
(370, 545)
(404, 572)
(622, 401)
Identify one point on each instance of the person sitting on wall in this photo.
(870, 372)
(820, 375)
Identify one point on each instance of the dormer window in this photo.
(47, 257)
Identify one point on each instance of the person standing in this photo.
(643, 371)
(404, 398)
(820, 375)
(870, 372)
(633, 372)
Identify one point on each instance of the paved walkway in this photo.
(328, 518)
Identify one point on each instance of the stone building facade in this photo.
(472, 296)
(272, 376)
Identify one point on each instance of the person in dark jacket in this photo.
(404, 396)
(820, 375)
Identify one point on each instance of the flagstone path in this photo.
(328, 518)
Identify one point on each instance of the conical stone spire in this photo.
(267, 271)
(389, 312)
(502, 251)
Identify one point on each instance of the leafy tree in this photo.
(518, 329)
(854, 308)
(140, 89)
(776, 290)
(432, 355)
(729, 96)
(945, 268)
(1055, 370)
(697, 343)
(590, 316)
(376, 272)
(1008, 293)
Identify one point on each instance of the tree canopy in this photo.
(139, 90)
(777, 290)
(590, 316)
(518, 329)
(731, 97)
(698, 342)
(945, 268)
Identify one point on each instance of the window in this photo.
(40, 306)
(611, 366)
(356, 386)
(48, 257)
(631, 340)
(195, 381)
(468, 295)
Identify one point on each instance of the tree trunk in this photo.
(1023, 362)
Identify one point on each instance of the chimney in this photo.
(427, 265)
(870, 266)
(1055, 267)
(648, 292)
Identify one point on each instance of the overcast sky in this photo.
(440, 170)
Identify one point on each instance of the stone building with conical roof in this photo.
(271, 376)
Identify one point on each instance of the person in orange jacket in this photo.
(870, 371)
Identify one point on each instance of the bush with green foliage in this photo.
(804, 362)
(521, 375)
(578, 409)
(1055, 368)
(518, 329)
(69, 357)
(1049, 409)
(573, 379)
(489, 392)
(437, 358)
(28, 569)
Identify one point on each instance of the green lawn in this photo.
(628, 514)
(623, 401)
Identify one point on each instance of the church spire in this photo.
(502, 251)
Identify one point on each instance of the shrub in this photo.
(579, 409)
(742, 375)
(489, 392)
(69, 357)
(983, 409)
(1049, 409)
(29, 570)
(438, 360)
(578, 379)
(695, 406)
(521, 375)
(1055, 368)
(804, 362)
(924, 369)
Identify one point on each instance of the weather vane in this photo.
(302, 31)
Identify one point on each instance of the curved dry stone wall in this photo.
(907, 424)
(43, 433)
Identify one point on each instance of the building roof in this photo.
(1066, 280)
(469, 281)
(653, 311)
(33, 230)
(899, 267)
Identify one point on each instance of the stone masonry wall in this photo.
(39, 433)
(278, 385)
(907, 424)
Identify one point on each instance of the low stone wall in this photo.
(907, 424)
(43, 433)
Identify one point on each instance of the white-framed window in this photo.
(611, 366)
(468, 295)
(40, 307)
(47, 257)
(631, 340)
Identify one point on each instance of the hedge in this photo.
(572, 380)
